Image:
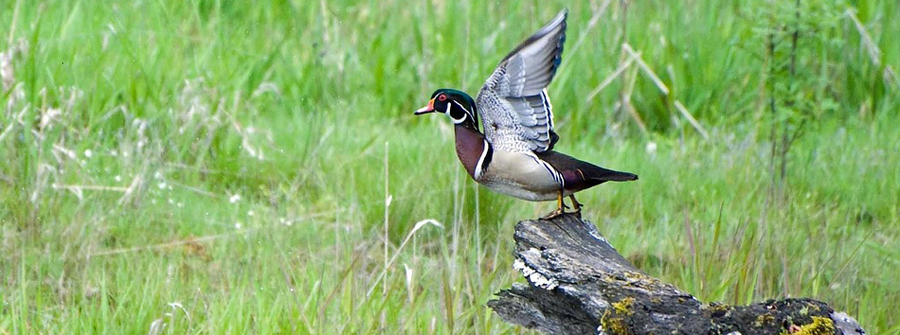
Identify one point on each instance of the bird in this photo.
(512, 153)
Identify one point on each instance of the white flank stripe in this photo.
(478, 170)
(557, 177)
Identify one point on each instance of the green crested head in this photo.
(458, 105)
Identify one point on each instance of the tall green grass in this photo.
(233, 167)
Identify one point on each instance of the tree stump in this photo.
(579, 284)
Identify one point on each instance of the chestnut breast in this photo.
(469, 146)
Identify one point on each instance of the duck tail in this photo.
(601, 174)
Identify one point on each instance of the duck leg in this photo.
(576, 204)
(560, 207)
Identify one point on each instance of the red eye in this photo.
(442, 97)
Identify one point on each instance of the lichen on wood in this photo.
(579, 284)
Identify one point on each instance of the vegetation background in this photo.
(214, 166)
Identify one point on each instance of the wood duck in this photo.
(514, 154)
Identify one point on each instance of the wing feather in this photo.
(514, 105)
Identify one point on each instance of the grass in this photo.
(220, 167)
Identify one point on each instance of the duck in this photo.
(512, 151)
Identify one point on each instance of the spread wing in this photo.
(513, 103)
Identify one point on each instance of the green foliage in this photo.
(802, 41)
(218, 166)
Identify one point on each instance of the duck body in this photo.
(513, 154)
(524, 174)
(517, 174)
(520, 175)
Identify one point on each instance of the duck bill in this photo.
(427, 109)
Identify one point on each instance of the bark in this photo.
(579, 284)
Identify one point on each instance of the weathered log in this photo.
(579, 284)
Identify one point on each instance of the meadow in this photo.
(215, 166)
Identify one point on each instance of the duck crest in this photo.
(467, 104)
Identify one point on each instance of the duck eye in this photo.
(442, 97)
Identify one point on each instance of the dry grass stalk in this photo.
(874, 52)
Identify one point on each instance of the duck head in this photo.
(457, 105)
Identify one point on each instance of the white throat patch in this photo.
(455, 120)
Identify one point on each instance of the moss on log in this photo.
(579, 284)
